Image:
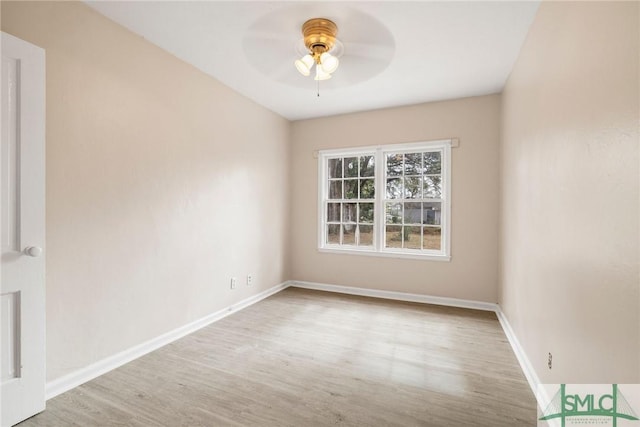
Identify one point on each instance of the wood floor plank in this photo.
(310, 358)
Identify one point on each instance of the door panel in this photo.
(22, 290)
(10, 335)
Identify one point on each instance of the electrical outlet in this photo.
(550, 361)
(233, 282)
(249, 279)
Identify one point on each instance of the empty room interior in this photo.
(317, 213)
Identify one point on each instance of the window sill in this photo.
(423, 257)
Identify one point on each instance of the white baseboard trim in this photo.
(399, 296)
(81, 376)
(523, 360)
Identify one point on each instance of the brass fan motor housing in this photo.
(319, 36)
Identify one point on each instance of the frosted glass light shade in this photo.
(321, 74)
(329, 62)
(304, 64)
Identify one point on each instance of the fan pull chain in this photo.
(318, 88)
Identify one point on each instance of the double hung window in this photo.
(391, 200)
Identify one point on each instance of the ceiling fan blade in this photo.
(368, 50)
(271, 37)
(284, 72)
(360, 69)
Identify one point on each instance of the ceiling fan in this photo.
(285, 35)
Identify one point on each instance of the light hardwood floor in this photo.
(309, 358)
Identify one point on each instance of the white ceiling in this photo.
(395, 53)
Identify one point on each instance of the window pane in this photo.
(393, 236)
(366, 213)
(349, 212)
(335, 168)
(367, 166)
(432, 237)
(394, 188)
(431, 212)
(333, 234)
(394, 164)
(393, 213)
(412, 187)
(351, 189)
(333, 212)
(432, 187)
(412, 238)
(413, 164)
(412, 213)
(349, 234)
(366, 235)
(335, 190)
(432, 163)
(351, 167)
(367, 189)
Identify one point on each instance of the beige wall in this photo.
(162, 183)
(569, 275)
(472, 272)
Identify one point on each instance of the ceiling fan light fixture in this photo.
(328, 62)
(319, 37)
(305, 64)
(321, 74)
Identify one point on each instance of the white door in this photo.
(22, 309)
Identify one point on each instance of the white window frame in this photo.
(380, 151)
